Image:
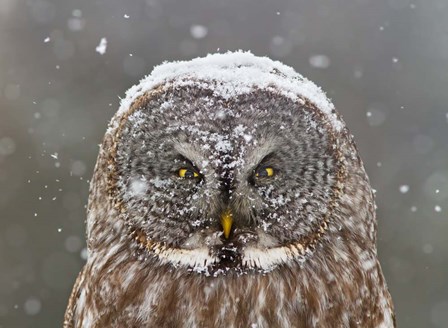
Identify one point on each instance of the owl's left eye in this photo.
(188, 173)
(264, 172)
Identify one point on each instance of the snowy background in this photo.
(64, 64)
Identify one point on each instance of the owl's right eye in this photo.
(188, 173)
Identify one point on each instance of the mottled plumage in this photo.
(238, 134)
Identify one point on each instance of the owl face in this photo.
(217, 184)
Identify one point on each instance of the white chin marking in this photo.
(199, 260)
(269, 258)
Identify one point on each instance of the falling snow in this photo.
(319, 61)
(102, 47)
(198, 31)
(32, 306)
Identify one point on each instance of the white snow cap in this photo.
(238, 73)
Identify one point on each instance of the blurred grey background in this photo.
(383, 62)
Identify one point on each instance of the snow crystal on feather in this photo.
(238, 73)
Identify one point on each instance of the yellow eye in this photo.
(264, 172)
(188, 174)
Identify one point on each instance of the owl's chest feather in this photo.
(281, 298)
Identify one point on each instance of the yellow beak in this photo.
(226, 222)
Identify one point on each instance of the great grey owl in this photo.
(229, 193)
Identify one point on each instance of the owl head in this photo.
(230, 162)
